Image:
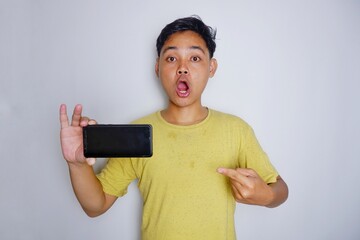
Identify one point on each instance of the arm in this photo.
(87, 187)
(88, 190)
(248, 187)
(281, 192)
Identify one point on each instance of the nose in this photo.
(182, 72)
(182, 69)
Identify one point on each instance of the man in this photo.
(203, 160)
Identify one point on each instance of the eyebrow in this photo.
(175, 48)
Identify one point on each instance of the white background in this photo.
(289, 68)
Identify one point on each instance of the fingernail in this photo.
(90, 161)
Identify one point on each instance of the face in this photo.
(184, 67)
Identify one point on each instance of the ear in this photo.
(157, 67)
(213, 67)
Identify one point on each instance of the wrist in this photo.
(77, 165)
(271, 197)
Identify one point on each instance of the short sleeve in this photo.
(116, 176)
(251, 155)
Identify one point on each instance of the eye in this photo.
(171, 59)
(195, 59)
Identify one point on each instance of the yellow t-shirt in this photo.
(184, 197)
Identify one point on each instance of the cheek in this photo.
(202, 74)
(201, 69)
(165, 71)
(166, 84)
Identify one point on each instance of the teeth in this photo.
(183, 92)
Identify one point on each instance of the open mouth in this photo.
(183, 89)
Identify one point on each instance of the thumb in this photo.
(91, 161)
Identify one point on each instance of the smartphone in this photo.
(117, 140)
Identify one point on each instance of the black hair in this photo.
(193, 23)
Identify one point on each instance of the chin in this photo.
(182, 102)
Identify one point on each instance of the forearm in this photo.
(280, 193)
(87, 189)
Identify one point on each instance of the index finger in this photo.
(232, 173)
(64, 121)
(76, 117)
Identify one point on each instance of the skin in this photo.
(87, 187)
(184, 68)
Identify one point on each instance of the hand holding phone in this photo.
(71, 137)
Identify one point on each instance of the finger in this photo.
(237, 185)
(64, 121)
(84, 121)
(248, 172)
(242, 193)
(239, 195)
(236, 192)
(87, 121)
(75, 121)
(92, 122)
(233, 174)
(226, 171)
(90, 161)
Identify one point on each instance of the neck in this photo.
(184, 115)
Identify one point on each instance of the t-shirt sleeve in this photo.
(116, 176)
(252, 156)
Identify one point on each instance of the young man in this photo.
(203, 162)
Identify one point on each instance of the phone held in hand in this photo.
(117, 140)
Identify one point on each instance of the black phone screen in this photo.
(114, 140)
